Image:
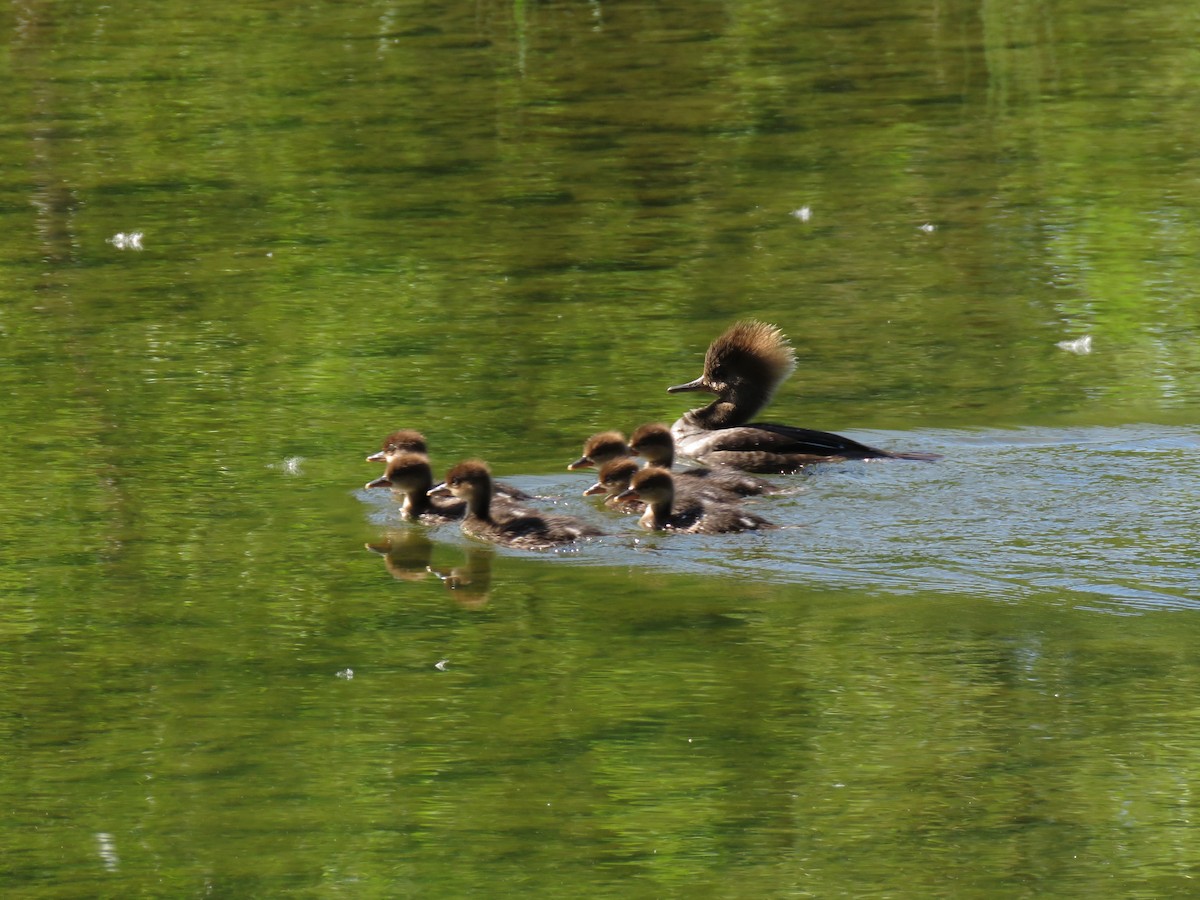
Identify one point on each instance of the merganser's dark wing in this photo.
(767, 447)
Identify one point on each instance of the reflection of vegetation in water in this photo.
(545, 194)
(1095, 169)
(512, 225)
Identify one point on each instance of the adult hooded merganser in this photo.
(471, 481)
(409, 474)
(654, 443)
(656, 487)
(743, 367)
(405, 440)
(613, 479)
(600, 449)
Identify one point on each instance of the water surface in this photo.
(512, 225)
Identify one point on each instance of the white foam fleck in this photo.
(130, 241)
(1081, 346)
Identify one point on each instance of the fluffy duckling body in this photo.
(406, 440)
(655, 444)
(744, 367)
(471, 482)
(656, 487)
(600, 449)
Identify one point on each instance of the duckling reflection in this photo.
(744, 367)
(406, 553)
(471, 583)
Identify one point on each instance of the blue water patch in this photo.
(1104, 517)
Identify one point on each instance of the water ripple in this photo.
(1098, 517)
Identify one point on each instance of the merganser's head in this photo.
(750, 357)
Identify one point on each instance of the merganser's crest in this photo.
(750, 351)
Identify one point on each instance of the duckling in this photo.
(653, 442)
(410, 475)
(609, 448)
(601, 448)
(656, 487)
(406, 440)
(614, 478)
(403, 441)
(744, 367)
(471, 481)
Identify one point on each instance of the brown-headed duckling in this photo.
(410, 475)
(471, 481)
(744, 367)
(654, 443)
(601, 448)
(613, 479)
(664, 512)
(406, 440)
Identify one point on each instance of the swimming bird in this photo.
(410, 475)
(654, 443)
(656, 487)
(614, 477)
(471, 481)
(406, 440)
(601, 448)
(744, 367)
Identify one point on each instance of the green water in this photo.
(511, 225)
